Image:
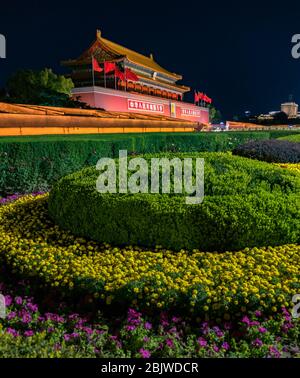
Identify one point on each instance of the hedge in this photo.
(34, 163)
(292, 138)
(247, 204)
(272, 151)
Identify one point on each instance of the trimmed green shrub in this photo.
(34, 163)
(247, 204)
(272, 151)
(292, 138)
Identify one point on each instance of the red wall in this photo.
(121, 101)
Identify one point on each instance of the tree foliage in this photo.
(40, 88)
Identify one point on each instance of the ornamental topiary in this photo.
(247, 203)
(272, 151)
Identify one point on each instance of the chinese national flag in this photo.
(109, 66)
(130, 75)
(119, 74)
(96, 66)
(196, 97)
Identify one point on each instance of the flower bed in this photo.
(31, 331)
(247, 204)
(291, 167)
(216, 284)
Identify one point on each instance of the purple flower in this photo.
(225, 346)
(202, 342)
(218, 332)
(262, 330)
(257, 313)
(148, 325)
(11, 315)
(32, 307)
(18, 300)
(246, 320)
(130, 328)
(67, 337)
(28, 333)
(176, 319)
(145, 353)
(275, 352)
(8, 300)
(216, 349)
(26, 318)
(170, 343)
(257, 343)
(12, 332)
(146, 339)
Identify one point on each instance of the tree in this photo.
(215, 115)
(41, 88)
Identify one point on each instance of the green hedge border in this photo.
(35, 163)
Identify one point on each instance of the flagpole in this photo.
(125, 76)
(104, 76)
(93, 70)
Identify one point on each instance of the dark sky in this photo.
(239, 54)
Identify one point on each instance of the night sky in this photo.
(239, 55)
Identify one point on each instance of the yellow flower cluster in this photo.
(204, 282)
(291, 167)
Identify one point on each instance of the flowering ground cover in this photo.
(153, 302)
(212, 284)
(34, 330)
(291, 167)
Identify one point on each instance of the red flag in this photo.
(96, 66)
(130, 75)
(119, 74)
(196, 97)
(201, 96)
(109, 66)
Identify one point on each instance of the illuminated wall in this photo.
(121, 101)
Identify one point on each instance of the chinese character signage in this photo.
(145, 106)
(191, 112)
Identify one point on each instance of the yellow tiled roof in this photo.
(135, 57)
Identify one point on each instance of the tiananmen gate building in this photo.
(114, 78)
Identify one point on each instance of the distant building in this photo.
(290, 108)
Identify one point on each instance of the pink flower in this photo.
(262, 330)
(8, 300)
(26, 318)
(145, 353)
(170, 343)
(202, 342)
(28, 333)
(11, 315)
(257, 343)
(18, 300)
(225, 346)
(12, 332)
(246, 320)
(148, 325)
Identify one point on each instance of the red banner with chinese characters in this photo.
(145, 106)
(191, 112)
